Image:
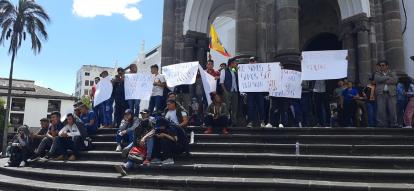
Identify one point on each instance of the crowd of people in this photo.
(156, 135)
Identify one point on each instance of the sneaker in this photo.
(281, 126)
(6, 165)
(225, 131)
(121, 170)
(250, 125)
(22, 164)
(262, 125)
(208, 131)
(146, 162)
(156, 161)
(34, 159)
(300, 125)
(118, 148)
(408, 127)
(269, 125)
(60, 157)
(72, 158)
(44, 159)
(169, 161)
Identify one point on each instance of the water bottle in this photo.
(192, 137)
(297, 148)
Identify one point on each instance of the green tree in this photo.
(86, 100)
(27, 18)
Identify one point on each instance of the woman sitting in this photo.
(20, 148)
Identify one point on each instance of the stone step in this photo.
(244, 171)
(14, 183)
(196, 182)
(393, 150)
(298, 131)
(382, 162)
(292, 139)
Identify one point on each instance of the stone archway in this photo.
(198, 12)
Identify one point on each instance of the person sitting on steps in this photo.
(217, 116)
(126, 129)
(69, 138)
(20, 148)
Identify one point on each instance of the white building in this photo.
(30, 102)
(85, 78)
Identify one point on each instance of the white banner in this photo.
(138, 86)
(324, 65)
(291, 85)
(103, 90)
(209, 83)
(263, 77)
(179, 74)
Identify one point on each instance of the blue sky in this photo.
(81, 34)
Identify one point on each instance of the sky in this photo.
(86, 32)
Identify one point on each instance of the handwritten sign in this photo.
(103, 90)
(291, 85)
(138, 86)
(179, 74)
(263, 77)
(324, 65)
(209, 84)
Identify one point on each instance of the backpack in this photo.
(16, 157)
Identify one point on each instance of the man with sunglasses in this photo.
(386, 81)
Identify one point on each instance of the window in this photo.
(87, 74)
(86, 92)
(18, 104)
(16, 119)
(91, 82)
(86, 82)
(53, 105)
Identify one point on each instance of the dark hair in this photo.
(171, 93)
(172, 101)
(405, 81)
(120, 70)
(212, 61)
(56, 113)
(155, 66)
(83, 106)
(223, 64)
(231, 60)
(382, 61)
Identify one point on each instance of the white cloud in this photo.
(93, 8)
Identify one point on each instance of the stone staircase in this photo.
(343, 159)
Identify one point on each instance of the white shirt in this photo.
(72, 131)
(320, 86)
(157, 90)
(172, 116)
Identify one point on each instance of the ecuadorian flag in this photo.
(216, 44)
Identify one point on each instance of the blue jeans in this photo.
(134, 106)
(98, 114)
(149, 145)
(127, 138)
(71, 143)
(401, 105)
(372, 113)
(322, 108)
(255, 102)
(157, 103)
(107, 110)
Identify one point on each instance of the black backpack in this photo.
(183, 141)
(16, 157)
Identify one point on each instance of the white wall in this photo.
(408, 35)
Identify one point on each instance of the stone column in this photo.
(364, 50)
(202, 47)
(246, 14)
(189, 48)
(168, 33)
(287, 34)
(349, 44)
(394, 51)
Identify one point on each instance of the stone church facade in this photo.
(279, 30)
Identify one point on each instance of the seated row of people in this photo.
(54, 138)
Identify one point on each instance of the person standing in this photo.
(409, 110)
(255, 103)
(157, 99)
(107, 107)
(349, 105)
(403, 86)
(229, 85)
(386, 81)
(133, 103)
(97, 109)
(321, 102)
(371, 103)
(118, 95)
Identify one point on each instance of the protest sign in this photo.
(103, 90)
(180, 74)
(263, 77)
(138, 86)
(209, 83)
(291, 85)
(324, 65)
